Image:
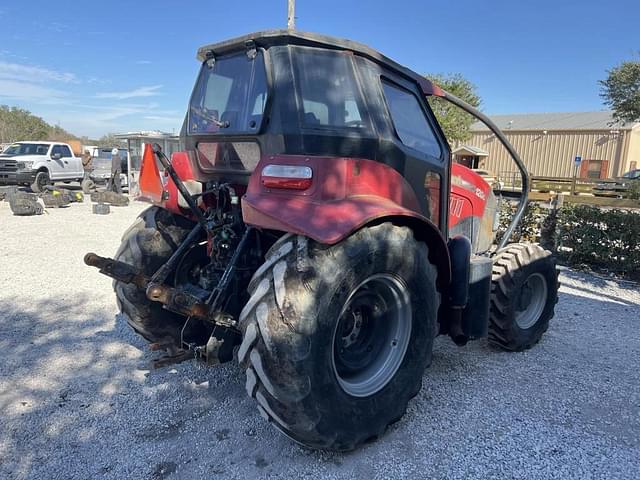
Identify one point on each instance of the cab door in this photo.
(55, 163)
(68, 166)
(73, 167)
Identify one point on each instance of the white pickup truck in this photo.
(38, 164)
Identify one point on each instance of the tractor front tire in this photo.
(524, 292)
(336, 338)
(146, 245)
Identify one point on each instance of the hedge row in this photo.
(583, 236)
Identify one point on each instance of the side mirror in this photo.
(56, 156)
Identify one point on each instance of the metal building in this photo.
(549, 142)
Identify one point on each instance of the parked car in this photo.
(103, 155)
(490, 177)
(101, 167)
(38, 164)
(617, 185)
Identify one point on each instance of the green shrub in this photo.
(529, 227)
(634, 190)
(603, 239)
(598, 238)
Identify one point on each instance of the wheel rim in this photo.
(531, 301)
(372, 334)
(43, 180)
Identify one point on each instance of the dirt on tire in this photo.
(289, 328)
(147, 245)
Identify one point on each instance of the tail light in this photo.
(293, 177)
(151, 186)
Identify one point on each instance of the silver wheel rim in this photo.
(531, 301)
(372, 334)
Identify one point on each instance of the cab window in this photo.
(230, 96)
(328, 100)
(409, 119)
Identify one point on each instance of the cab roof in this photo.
(269, 38)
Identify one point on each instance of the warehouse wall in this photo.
(634, 149)
(552, 155)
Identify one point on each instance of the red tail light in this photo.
(151, 186)
(293, 177)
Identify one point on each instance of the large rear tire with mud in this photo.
(146, 245)
(336, 338)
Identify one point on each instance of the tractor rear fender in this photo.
(339, 197)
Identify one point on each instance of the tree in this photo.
(109, 141)
(621, 91)
(18, 124)
(455, 123)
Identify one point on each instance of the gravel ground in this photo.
(77, 398)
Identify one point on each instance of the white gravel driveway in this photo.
(77, 398)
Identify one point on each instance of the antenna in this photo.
(291, 15)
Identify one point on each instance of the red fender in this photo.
(345, 195)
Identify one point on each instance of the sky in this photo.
(114, 66)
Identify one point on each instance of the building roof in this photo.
(555, 121)
(470, 150)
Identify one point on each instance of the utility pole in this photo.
(291, 15)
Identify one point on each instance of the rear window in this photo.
(328, 89)
(230, 96)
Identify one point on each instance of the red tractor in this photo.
(316, 228)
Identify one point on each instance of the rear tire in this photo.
(524, 292)
(146, 245)
(309, 365)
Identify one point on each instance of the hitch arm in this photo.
(117, 270)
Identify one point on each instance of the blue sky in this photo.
(97, 67)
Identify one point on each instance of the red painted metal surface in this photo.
(345, 194)
(469, 194)
(185, 169)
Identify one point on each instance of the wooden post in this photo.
(291, 15)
